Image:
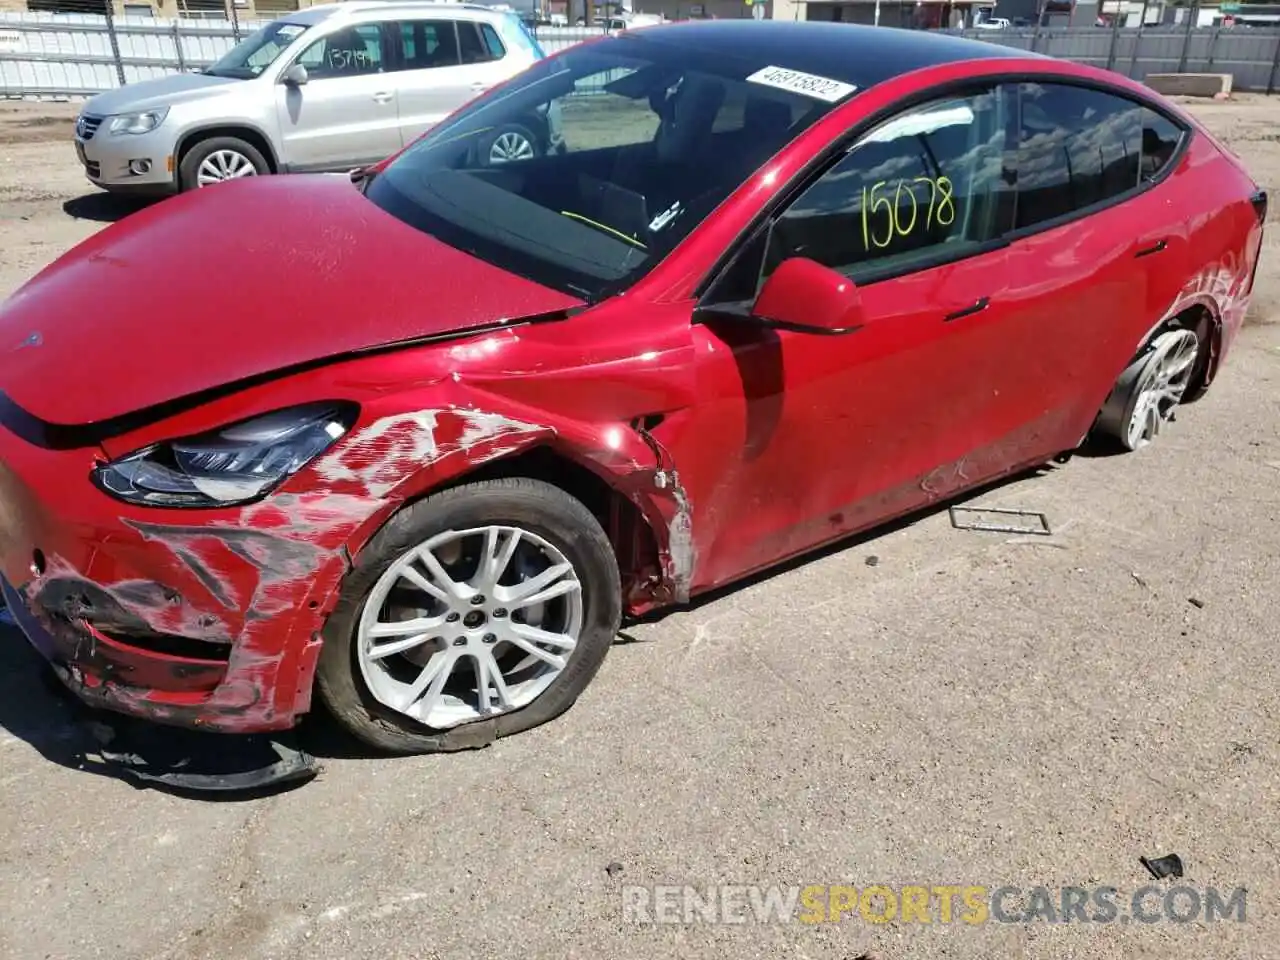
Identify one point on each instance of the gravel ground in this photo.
(970, 709)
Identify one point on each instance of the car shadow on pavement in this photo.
(37, 709)
(103, 207)
(852, 542)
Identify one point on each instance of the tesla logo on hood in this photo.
(33, 340)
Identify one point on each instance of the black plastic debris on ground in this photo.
(230, 766)
(1161, 867)
(1000, 520)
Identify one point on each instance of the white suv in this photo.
(326, 89)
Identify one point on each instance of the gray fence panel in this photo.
(61, 55)
(71, 54)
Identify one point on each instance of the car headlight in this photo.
(143, 122)
(234, 465)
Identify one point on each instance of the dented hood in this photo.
(232, 282)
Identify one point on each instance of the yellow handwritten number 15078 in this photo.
(941, 210)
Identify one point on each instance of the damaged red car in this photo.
(418, 442)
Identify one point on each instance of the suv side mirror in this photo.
(804, 296)
(295, 76)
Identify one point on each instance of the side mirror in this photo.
(804, 296)
(295, 76)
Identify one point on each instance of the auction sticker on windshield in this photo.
(821, 88)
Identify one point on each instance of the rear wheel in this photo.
(219, 159)
(476, 613)
(1144, 398)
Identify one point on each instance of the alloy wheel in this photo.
(1166, 372)
(510, 146)
(224, 165)
(469, 625)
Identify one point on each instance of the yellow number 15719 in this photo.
(941, 208)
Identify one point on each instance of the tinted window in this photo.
(492, 42)
(1078, 147)
(471, 43)
(929, 183)
(428, 43)
(1160, 139)
(349, 52)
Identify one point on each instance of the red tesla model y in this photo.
(417, 439)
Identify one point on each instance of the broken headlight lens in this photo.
(234, 465)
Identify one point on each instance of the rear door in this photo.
(345, 114)
(1095, 248)
(442, 65)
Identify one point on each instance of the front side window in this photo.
(929, 184)
(348, 52)
(255, 53)
(634, 144)
(1079, 147)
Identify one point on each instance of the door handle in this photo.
(1156, 247)
(382, 97)
(480, 87)
(976, 307)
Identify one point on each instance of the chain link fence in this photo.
(78, 54)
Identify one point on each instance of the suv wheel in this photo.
(218, 159)
(512, 142)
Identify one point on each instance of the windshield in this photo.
(591, 166)
(248, 58)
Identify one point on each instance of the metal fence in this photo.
(74, 55)
(77, 55)
(1250, 55)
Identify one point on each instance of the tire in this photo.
(1139, 405)
(515, 140)
(539, 510)
(189, 168)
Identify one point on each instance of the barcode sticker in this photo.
(820, 88)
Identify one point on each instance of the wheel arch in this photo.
(635, 536)
(634, 540)
(249, 133)
(1203, 315)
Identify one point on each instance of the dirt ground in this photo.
(969, 709)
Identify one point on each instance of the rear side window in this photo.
(428, 43)
(1079, 147)
(929, 184)
(478, 42)
(1160, 140)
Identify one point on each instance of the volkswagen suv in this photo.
(328, 88)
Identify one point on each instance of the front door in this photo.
(345, 115)
(804, 438)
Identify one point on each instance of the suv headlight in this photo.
(143, 122)
(234, 465)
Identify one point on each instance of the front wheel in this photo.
(219, 159)
(476, 613)
(508, 144)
